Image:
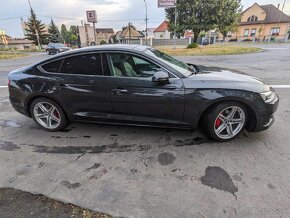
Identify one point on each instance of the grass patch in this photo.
(211, 50)
(11, 55)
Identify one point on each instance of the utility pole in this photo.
(175, 21)
(95, 36)
(129, 28)
(146, 20)
(36, 31)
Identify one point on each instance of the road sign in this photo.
(166, 3)
(92, 16)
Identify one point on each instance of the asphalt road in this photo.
(147, 172)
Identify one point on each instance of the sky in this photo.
(111, 13)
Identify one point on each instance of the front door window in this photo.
(126, 65)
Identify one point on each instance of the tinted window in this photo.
(126, 65)
(88, 64)
(52, 67)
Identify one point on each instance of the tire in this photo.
(48, 115)
(225, 121)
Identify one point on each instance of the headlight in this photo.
(61, 49)
(268, 97)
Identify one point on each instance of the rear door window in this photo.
(86, 64)
(52, 67)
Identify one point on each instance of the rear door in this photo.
(81, 85)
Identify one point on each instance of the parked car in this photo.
(55, 48)
(138, 85)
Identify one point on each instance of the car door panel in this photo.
(145, 101)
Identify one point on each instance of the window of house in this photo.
(275, 31)
(253, 32)
(246, 32)
(253, 18)
(87, 64)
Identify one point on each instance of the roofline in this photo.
(252, 6)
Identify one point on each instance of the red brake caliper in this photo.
(218, 122)
(56, 114)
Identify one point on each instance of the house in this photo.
(162, 31)
(150, 32)
(104, 34)
(15, 43)
(263, 23)
(87, 35)
(128, 34)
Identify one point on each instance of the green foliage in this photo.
(54, 34)
(192, 45)
(195, 15)
(34, 26)
(227, 16)
(103, 42)
(200, 15)
(69, 36)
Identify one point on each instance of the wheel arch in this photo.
(31, 99)
(252, 115)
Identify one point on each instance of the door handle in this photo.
(119, 91)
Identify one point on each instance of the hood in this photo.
(225, 79)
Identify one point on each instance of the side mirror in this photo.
(160, 77)
(194, 67)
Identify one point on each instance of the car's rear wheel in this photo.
(48, 114)
(225, 121)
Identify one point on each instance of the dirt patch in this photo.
(166, 158)
(18, 204)
(8, 146)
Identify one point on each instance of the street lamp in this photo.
(36, 31)
(146, 19)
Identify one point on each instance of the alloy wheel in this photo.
(229, 122)
(47, 115)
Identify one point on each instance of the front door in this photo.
(137, 99)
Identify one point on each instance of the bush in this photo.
(192, 45)
(103, 42)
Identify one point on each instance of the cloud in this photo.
(111, 13)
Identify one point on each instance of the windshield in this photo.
(56, 45)
(181, 67)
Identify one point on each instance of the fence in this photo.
(159, 42)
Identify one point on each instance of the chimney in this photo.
(278, 6)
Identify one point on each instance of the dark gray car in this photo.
(138, 85)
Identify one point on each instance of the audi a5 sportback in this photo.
(138, 85)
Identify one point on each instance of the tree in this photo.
(64, 33)
(227, 15)
(54, 34)
(195, 15)
(34, 27)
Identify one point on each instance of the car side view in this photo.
(138, 85)
(55, 48)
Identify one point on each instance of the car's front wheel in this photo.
(48, 114)
(225, 121)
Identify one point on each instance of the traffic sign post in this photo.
(92, 18)
(170, 4)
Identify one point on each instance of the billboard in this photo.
(92, 16)
(166, 3)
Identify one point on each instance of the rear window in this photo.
(52, 67)
(88, 64)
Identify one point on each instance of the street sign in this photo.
(92, 16)
(166, 3)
